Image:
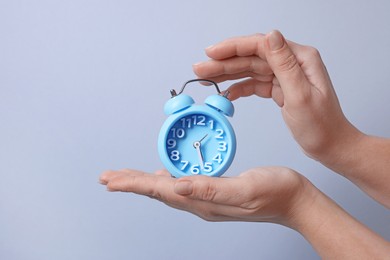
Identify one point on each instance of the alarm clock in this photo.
(197, 139)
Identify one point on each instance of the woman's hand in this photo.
(297, 80)
(273, 194)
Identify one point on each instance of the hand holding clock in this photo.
(296, 78)
(270, 194)
(273, 194)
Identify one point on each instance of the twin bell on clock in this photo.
(197, 139)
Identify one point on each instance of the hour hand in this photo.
(203, 138)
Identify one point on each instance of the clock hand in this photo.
(197, 147)
(203, 138)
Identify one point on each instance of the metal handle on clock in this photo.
(174, 93)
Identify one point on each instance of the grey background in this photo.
(82, 86)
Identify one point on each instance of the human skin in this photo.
(297, 80)
(269, 194)
(295, 77)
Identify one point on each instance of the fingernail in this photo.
(275, 40)
(210, 47)
(109, 188)
(183, 187)
(196, 64)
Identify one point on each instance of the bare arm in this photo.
(335, 234)
(365, 162)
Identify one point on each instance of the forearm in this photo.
(333, 233)
(364, 160)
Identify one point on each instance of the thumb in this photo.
(285, 66)
(217, 190)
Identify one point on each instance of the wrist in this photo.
(304, 200)
(301, 200)
(332, 232)
(342, 147)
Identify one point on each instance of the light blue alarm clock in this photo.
(197, 140)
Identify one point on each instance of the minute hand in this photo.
(199, 151)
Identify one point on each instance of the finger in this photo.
(250, 87)
(206, 210)
(275, 81)
(107, 175)
(277, 95)
(162, 188)
(213, 68)
(103, 178)
(159, 185)
(311, 63)
(225, 191)
(286, 68)
(163, 173)
(239, 46)
(242, 75)
(143, 184)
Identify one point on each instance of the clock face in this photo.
(200, 144)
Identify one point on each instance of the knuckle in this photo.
(204, 190)
(154, 191)
(156, 194)
(209, 216)
(209, 193)
(312, 52)
(288, 63)
(302, 99)
(252, 64)
(252, 207)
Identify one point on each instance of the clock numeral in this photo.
(171, 143)
(211, 123)
(218, 158)
(199, 120)
(207, 167)
(195, 169)
(183, 122)
(222, 146)
(178, 132)
(220, 134)
(175, 155)
(185, 164)
(193, 121)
